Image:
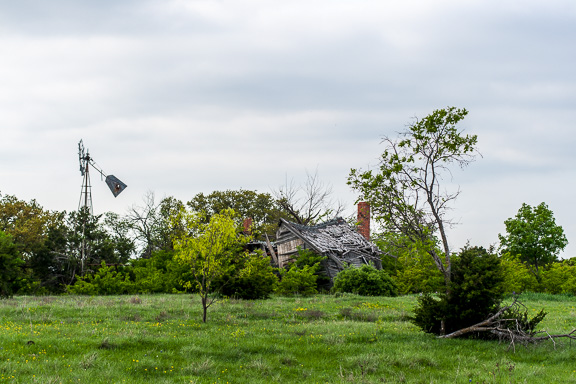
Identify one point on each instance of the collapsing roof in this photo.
(335, 239)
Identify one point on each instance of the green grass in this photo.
(322, 339)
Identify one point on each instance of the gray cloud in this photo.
(182, 97)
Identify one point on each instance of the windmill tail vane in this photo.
(116, 185)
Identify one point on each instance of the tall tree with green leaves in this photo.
(405, 192)
(26, 222)
(534, 236)
(260, 207)
(209, 248)
(10, 266)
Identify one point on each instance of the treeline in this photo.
(44, 251)
(48, 252)
(51, 252)
(414, 271)
(528, 256)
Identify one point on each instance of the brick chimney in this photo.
(247, 223)
(364, 219)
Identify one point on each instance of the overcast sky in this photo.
(180, 97)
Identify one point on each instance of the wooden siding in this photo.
(287, 250)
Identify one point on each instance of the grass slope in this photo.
(322, 339)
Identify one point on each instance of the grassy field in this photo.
(322, 339)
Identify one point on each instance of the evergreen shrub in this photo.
(476, 291)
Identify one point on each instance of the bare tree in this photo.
(151, 222)
(143, 218)
(308, 203)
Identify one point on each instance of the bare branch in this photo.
(309, 203)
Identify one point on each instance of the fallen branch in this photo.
(483, 326)
(514, 329)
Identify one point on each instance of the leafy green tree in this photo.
(409, 264)
(92, 239)
(11, 266)
(405, 192)
(517, 276)
(208, 248)
(533, 235)
(560, 277)
(52, 265)
(120, 245)
(31, 229)
(26, 222)
(260, 207)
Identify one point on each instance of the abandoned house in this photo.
(340, 242)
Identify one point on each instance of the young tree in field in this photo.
(209, 249)
(406, 193)
(533, 235)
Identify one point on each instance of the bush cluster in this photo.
(365, 281)
(252, 278)
(304, 276)
(297, 281)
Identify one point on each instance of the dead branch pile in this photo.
(511, 324)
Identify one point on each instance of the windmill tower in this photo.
(86, 191)
(85, 204)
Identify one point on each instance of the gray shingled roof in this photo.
(335, 236)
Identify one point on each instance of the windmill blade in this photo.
(116, 186)
(81, 157)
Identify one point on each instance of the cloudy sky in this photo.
(186, 96)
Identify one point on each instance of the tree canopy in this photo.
(10, 265)
(533, 235)
(26, 222)
(260, 207)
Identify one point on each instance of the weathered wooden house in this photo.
(341, 243)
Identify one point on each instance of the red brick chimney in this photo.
(247, 223)
(364, 219)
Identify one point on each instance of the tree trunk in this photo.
(204, 308)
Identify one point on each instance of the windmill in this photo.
(85, 204)
(116, 186)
